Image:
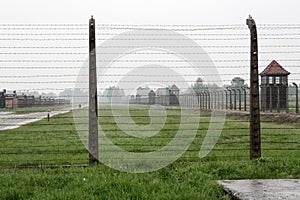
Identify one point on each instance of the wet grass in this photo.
(188, 180)
(57, 143)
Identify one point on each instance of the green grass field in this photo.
(56, 142)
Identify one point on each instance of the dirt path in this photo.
(11, 121)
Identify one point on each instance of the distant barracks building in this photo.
(11, 100)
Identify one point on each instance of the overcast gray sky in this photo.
(153, 11)
(146, 12)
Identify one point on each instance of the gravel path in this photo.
(9, 120)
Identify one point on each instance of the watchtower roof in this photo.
(274, 68)
(152, 92)
(174, 88)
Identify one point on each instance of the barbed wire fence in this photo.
(53, 58)
(37, 59)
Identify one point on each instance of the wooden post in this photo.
(255, 141)
(240, 99)
(215, 98)
(226, 100)
(93, 103)
(278, 98)
(234, 98)
(297, 98)
(262, 100)
(245, 99)
(201, 100)
(209, 100)
(271, 99)
(206, 100)
(287, 99)
(230, 99)
(222, 100)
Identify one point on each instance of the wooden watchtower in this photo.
(274, 87)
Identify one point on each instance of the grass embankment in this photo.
(188, 178)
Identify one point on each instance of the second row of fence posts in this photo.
(215, 99)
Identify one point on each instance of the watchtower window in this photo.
(264, 80)
(283, 80)
(271, 80)
(277, 80)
